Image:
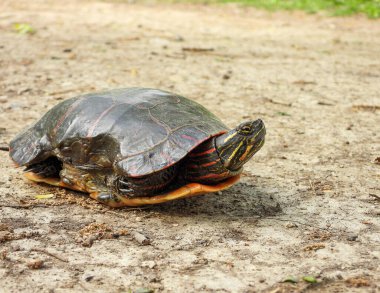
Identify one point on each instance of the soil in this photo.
(307, 204)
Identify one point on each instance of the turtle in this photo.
(135, 146)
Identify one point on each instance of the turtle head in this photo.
(238, 145)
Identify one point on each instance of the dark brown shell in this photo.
(136, 131)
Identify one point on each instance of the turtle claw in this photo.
(124, 186)
(107, 199)
(125, 190)
(121, 181)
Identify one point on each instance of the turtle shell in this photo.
(135, 131)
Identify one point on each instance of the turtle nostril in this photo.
(258, 122)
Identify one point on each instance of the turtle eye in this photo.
(246, 128)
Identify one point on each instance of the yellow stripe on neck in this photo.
(234, 152)
(229, 137)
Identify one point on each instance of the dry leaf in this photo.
(44, 196)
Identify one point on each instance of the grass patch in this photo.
(371, 8)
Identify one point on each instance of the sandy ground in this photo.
(308, 203)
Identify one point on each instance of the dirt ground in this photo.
(308, 203)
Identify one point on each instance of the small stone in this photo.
(141, 238)
(15, 247)
(88, 278)
(291, 225)
(35, 264)
(352, 237)
(149, 264)
(179, 38)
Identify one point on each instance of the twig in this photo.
(303, 82)
(15, 206)
(140, 238)
(197, 50)
(371, 108)
(49, 253)
(325, 104)
(279, 103)
(375, 196)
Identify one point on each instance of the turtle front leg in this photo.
(111, 198)
(146, 185)
(129, 191)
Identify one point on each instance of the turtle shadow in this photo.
(240, 201)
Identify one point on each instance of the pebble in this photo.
(35, 264)
(88, 278)
(149, 263)
(352, 237)
(291, 225)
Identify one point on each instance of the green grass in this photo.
(371, 8)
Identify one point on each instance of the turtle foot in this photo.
(188, 190)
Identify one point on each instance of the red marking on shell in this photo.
(203, 153)
(189, 137)
(93, 126)
(67, 113)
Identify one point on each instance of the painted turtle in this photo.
(130, 147)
